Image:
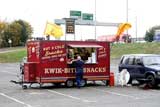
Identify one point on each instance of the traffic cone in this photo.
(111, 79)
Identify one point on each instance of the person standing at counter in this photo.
(79, 70)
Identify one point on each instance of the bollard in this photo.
(111, 79)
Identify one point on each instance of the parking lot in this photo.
(93, 95)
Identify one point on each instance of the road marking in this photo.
(6, 51)
(118, 94)
(36, 93)
(66, 95)
(18, 101)
(9, 72)
(153, 90)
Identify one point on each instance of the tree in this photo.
(3, 26)
(14, 33)
(26, 31)
(17, 31)
(151, 33)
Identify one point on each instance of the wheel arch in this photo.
(150, 73)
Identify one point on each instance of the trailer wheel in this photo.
(24, 86)
(83, 82)
(57, 84)
(69, 83)
(106, 82)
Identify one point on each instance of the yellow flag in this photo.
(53, 30)
(122, 27)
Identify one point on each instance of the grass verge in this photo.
(117, 50)
(15, 56)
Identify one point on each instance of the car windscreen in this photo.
(151, 60)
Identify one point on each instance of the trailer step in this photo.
(16, 82)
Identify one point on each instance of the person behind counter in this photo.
(79, 70)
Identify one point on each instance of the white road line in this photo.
(36, 93)
(6, 51)
(72, 97)
(9, 72)
(118, 94)
(153, 90)
(18, 101)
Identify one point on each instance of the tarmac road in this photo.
(12, 95)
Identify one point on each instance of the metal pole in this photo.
(65, 30)
(48, 37)
(95, 19)
(74, 36)
(126, 10)
(136, 27)
(74, 30)
(127, 18)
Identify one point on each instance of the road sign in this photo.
(75, 14)
(70, 25)
(88, 23)
(87, 16)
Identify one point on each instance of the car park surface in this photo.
(12, 95)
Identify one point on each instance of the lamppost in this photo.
(95, 6)
(136, 27)
(127, 19)
(127, 11)
(135, 23)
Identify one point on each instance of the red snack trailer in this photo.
(49, 61)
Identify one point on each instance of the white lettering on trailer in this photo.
(97, 69)
(72, 70)
(54, 71)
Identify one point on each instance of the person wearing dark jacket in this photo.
(79, 70)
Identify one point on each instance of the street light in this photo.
(136, 27)
(127, 18)
(127, 11)
(95, 2)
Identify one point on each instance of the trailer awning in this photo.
(84, 45)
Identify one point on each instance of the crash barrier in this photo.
(111, 79)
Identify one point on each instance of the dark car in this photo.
(142, 67)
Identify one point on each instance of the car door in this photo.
(139, 68)
(123, 63)
(128, 63)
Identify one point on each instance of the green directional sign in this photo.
(87, 16)
(75, 14)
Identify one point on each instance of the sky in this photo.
(142, 14)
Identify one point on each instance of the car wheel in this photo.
(69, 83)
(152, 82)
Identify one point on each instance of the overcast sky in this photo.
(37, 12)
